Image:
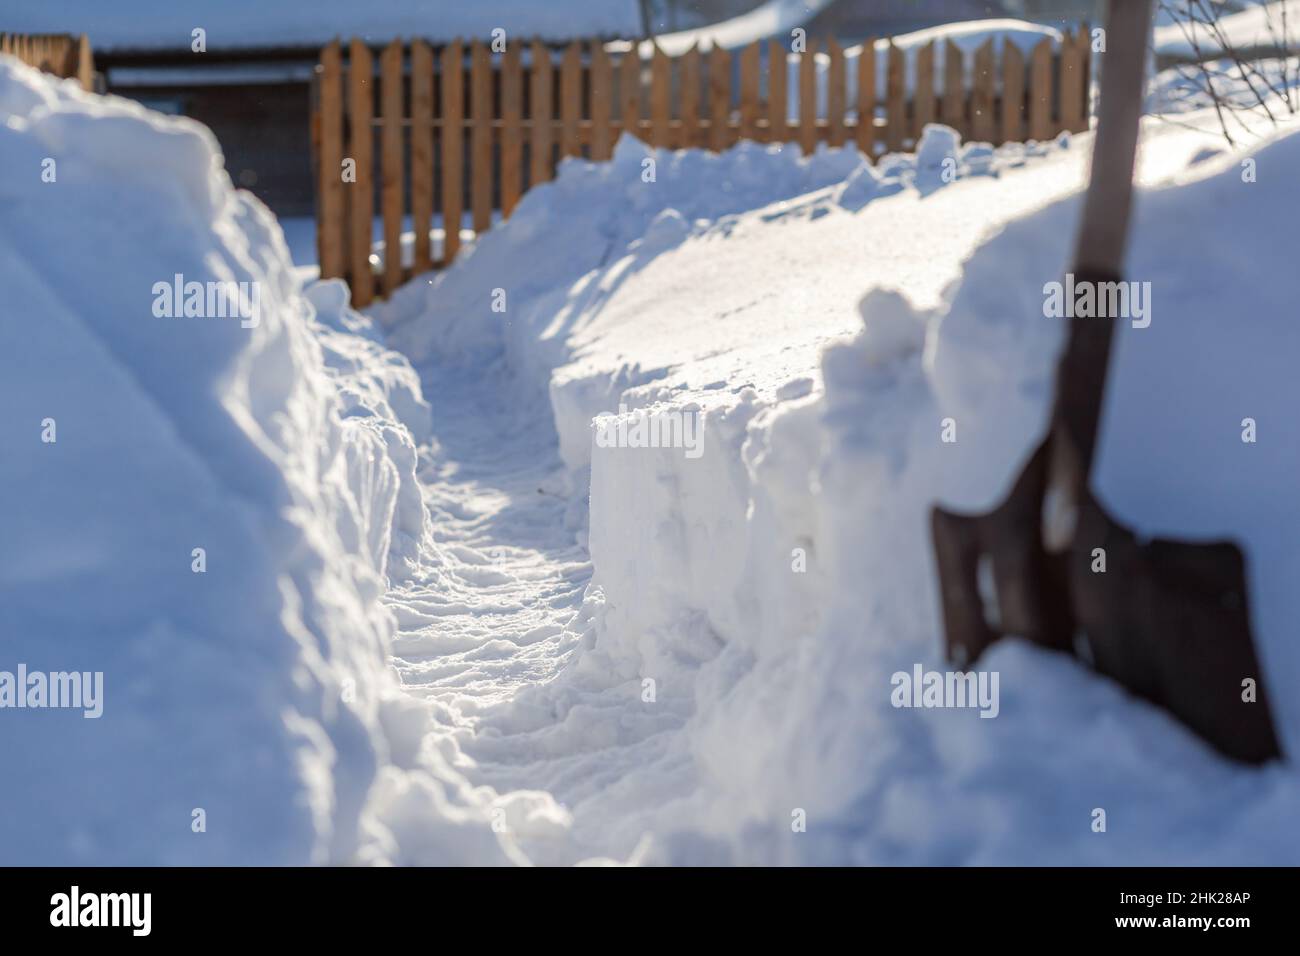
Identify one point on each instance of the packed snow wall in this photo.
(209, 479)
(824, 322)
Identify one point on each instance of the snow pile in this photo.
(1171, 462)
(568, 297)
(205, 509)
(628, 211)
(770, 572)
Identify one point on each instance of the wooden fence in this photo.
(57, 53)
(463, 128)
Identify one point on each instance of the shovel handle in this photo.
(1103, 232)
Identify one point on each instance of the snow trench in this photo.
(419, 587)
(724, 694)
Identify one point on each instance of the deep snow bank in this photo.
(580, 321)
(1171, 461)
(772, 584)
(248, 711)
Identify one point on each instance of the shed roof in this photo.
(166, 25)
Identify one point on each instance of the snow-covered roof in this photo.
(1261, 25)
(967, 35)
(770, 19)
(163, 25)
(970, 35)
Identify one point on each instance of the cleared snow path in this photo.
(693, 689)
(485, 639)
(497, 621)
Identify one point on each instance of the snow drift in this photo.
(822, 318)
(205, 509)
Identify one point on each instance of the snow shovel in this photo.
(1166, 619)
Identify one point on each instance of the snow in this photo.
(772, 19)
(1275, 26)
(967, 37)
(249, 24)
(1191, 87)
(443, 622)
(821, 317)
(1180, 11)
(258, 691)
(970, 35)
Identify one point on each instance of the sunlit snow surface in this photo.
(825, 317)
(454, 523)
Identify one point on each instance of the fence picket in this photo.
(361, 149)
(512, 132)
(629, 93)
(954, 89)
(602, 93)
(982, 95)
(85, 64)
(540, 109)
(1040, 91)
(661, 81)
(923, 105)
(1013, 92)
(749, 66)
(570, 100)
(480, 146)
(453, 147)
(331, 230)
(778, 82)
(391, 156)
(895, 100)
(719, 99)
(866, 131)
(690, 80)
(808, 98)
(421, 153)
(835, 93)
(1072, 106)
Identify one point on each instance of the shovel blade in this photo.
(995, 577)
(1169, 620)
